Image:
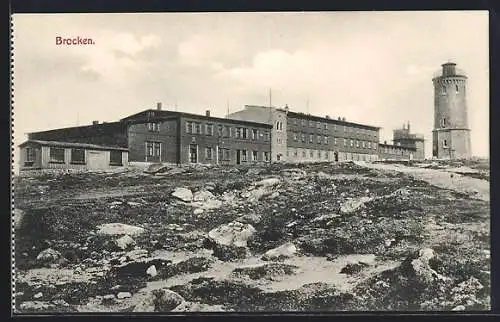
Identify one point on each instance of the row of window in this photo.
(324, 139)
(389, 150)
(226, 131)
(443, 89)
(320, 125)
(225, 155)
(77, 156)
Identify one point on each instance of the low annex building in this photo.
(38, 155)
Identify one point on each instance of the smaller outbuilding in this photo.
(39, 155)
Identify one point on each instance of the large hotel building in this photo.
(254, 134)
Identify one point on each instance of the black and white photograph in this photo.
(323, 161)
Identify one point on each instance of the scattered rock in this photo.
(458, 308)
(38, 295)
(40, 306)
(135, 255)
(157, 168)
(183, 194)
(421, 267)
(286, 250)
(108, 299)
(232, 234)
(325, 217)
(151, 271)
(125, 242)
(323, 176)
(272, 271)
(202, 195)
(294, 173)
(354, 204)
(159, 300)
(198, 211)
(123, 295)
(119, 229)
(250, 218)
(50, 256)
(353, 268)
(270, 182)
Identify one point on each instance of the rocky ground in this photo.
(315, 237)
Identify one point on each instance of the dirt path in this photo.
(476, 188)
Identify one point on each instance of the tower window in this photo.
(443, 122)
(456, 88)
(443, 89)
(445, 144)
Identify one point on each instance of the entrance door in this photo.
(238, 156)
(193, 153)
(336, 155)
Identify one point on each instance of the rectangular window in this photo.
(369, 145)
(302, 122)
(363, 144)
(311, 123)
(295, 136)
(295, 153)
(220, 130)
(254, 155)
(311, 154)
(335, 127)
(295, 121)
(243, 155)
(345, 129)
(318, 139)
(245, 133)
(374, 145)
(157, 146)
(357, 143)
(154, 127)
(149, 149)
(208, 153)
(57, 155)
(266, 156)
(238, 132)
(326, 155)
(319, 154)
(266, 135)
(189, 127)
(78, 156)
(209, 129)
(335, 141)
(30, 155)
(310, 138)
(115, 158)
(197, 128)
(345, 142)
(352, 142)
(224, 154)
(255, 134)
(326, 126)
(303, 137)
(303, 154)
(325, 139)
(318, 125)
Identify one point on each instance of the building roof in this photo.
(397, 146)
(101, 126)
(331, 120)
(72, 145)
(161, 114)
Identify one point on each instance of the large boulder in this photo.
(159, 300)
(269, 182)
(125, 242)
(286, 250)
(232, 234)
(50, 256)
(119, 229)
(203, 195)
(183, 194)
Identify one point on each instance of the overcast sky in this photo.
(369, 67)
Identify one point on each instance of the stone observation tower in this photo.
(451, 134)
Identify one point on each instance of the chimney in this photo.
(95, 122)
(385, 142)
(158, 106)
(207, 113)
(343, 119)
(408, 126)
(327, 117)
(340, 119)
